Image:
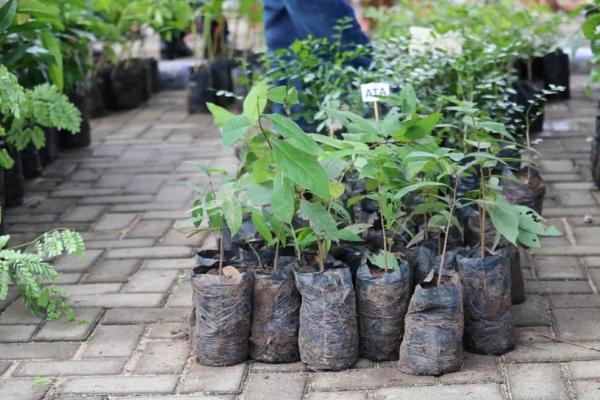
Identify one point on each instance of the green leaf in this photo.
(505, 219)
(348, 235)
(7, 14)
(220, 114)
(336, 189)
(379, 260)
(6, 161)
(301, 168)
(408, 99)
(529, 239)
(232, 210)
(277, 94)
(3, 240)
(234, 130)
(292, 96)
(416, 186)
(282, 203)
(261, 227)
(321, 221)
(294, 134)
(55, 69)
(495, 127)
(423, 127)
(256, 101)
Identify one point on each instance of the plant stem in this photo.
(320, 255)
(385, 252)
(482, 216)
(277, 249)
(221, 250)
(443, 256)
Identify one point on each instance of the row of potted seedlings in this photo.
(377, 242)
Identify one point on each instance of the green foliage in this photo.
(27, 269)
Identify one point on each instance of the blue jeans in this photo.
(288, 20)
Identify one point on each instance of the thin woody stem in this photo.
(443, 256)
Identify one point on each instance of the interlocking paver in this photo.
(69, 330)
(113, 341)
(536, 382)
(22, 389)
(275, 386)
(487, 391)
(201, 378)
(121, 384)
(163, 358)
(112, 271)
(107, 366)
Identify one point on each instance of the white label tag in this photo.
(371, 91)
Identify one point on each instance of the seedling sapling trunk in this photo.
(447, 232)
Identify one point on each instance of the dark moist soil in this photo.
(433, 282)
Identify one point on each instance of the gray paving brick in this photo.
(533, 334)
(580, 324)
(557, 268)
(112, 270)
(487, 391)
(38, 350)
(201, 378)
(150, 281)
(121, 199)
(69, 263)
(530, 313)
(111, 221)
(163, 397)
(112, 300)
(168, 330)
(121, 384)
(122, 316)
(536, 382)
(338, 396)
(16, 333)
(170, 263)
(587, 390)
(584, 369)
(105, 366)
(113, 341)
(181, 295)
(120, 243)
(151, 252)
(552, 287)
(149, 228)
(160, 358)
(22, 389)
(83, 214)
(367, 379)
(4, 366)
(275, 386)
(286, 367)
(69, 330)
(554, 352)
(114, 180)
(477, 369)
(574, 300)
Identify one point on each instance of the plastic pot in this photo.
(516, 191)
(525, 92)
(49, 152)
(381, 301)
(557, 72)
(517, 287)
(328, 334)
(200, 89)
(275, 316)
(31, 162)
(14, 181)
(533, 179)
(154, 75)
(433, 328)
(222, 315)
(487, 301)
(97, 86)
(128, 84)
(221, 70)
(78, 96)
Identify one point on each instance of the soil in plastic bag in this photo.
(222, 80)
(472, 229)
(557, 72)
(381, 301)
(328, 335)
(200, 90)
(517, 287)
(537, 69)
(275, 316)
(14, 181)
(433, 328)
(96, 88)
(128, 84)
(536, 186)
(516, 191)
(222, 316)
(49, 152)
(32, 162)
(487, 301)
(78, 96)
(426, 259)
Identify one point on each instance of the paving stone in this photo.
(477, 369)
(4, 366)
(367, 379)
(557, 268)
(68, 263)
(174, 237)
(112, 270)
(144, 184)
(160, 358)
(121, 384)
(533, 334)
(168, 330)
(17, 313)
(163, 397)
(16, 333)
(119, 243)
(114, 181)
(70, 330)
(122, 316)
(574, 300)
(580, 324)
(201, 378)
(105, 366)
(92, 288)
(530, 313)
(536, 382)
(275, 386)
(487, 391)
(338, 396)
(120, 199)
(83, 214)
(116, 300)
(286, 367)
(181, 295)
(151, 252)
(587, 390)
(22, 389)
(576, 198)
(171, 193)
(150, 281)
(170, 263)
(578, 250)
(584, 369)
(554, 352)
(112, 222)
(552, 287)
(38, 350)
(149, 228)
(113, 341)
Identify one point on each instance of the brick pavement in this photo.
(128, 194)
